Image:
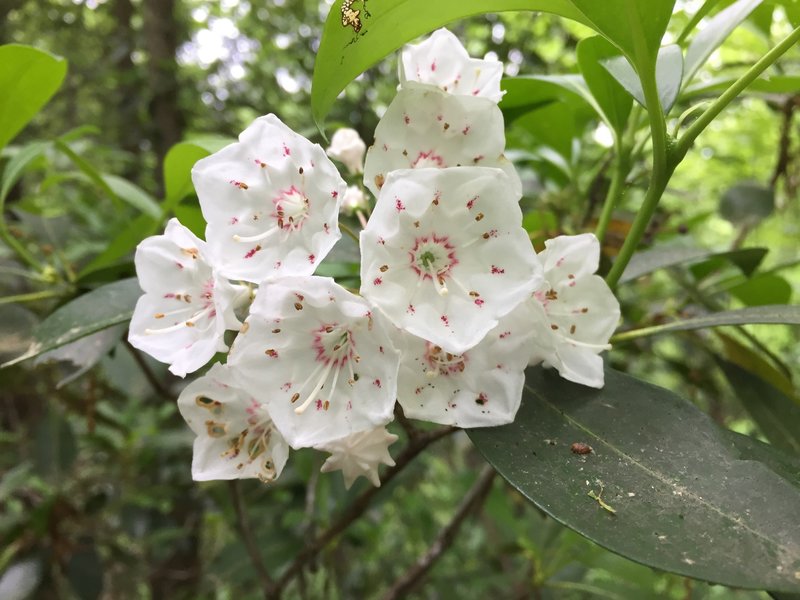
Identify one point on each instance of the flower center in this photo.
(335, 348)
(432, 258)
(206, 309)
(443, 363)
(253, 442)
(291, 209)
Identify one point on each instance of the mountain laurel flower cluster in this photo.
(453, 305)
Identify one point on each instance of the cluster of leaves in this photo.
(100, 497)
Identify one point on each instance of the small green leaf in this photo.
(746, 260)
(754, 362)
(690, 497)
(747, 203)
(29, 78)
(191, 217)
(766, 288)
(662, 257)
(133, 195)
(769, 84)
(388, 24)
(119, 247)
(16, 166)
(612, 98)
(715, 31)
(773, 314)
(669, 71)
(777, 416)
(99, 309)
(178, 165)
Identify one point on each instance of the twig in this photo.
(407, 426)
(358, 506)
(245, 531)
(472, 501)
(154, 382)
(782, 163)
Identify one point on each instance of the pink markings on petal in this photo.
(239, 184)
(252, 252)
(318, 404)
(478, 302)
(234, 220)
(432, 254)
(433, 66)
(411, 310)
(439, 117)
(398, 205)
(406, 119)
(445, 320)
(326, 228)
(381, 241)
(377, 281)
(560, 261)
(169, 295)
(380, 349)
(260, 163)
(277, 265)
(312, 258)
(286, 151)
(428, 159)
(385, 148)
(497, 270)
(478, 158)
(286, 386)
(466, 129)
(334, 194)
(475, 92)
(377, 383)
(291, 209)
(471, 202)
(504, 335)
(481, 399)
(179, 265)
(492, 233)
(349, 405)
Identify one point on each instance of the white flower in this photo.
(444, 254)
(186, 307)
(348, 148)
(359, 454)
(319, 358)
(426, 127)
(236, 438)
(575, 312)
(354, 200)
(271, 202)
(442, 61)
(481, 387)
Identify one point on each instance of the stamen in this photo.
(190, 322)
(256, 238)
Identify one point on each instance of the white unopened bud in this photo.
(353, 200)
(348, 148)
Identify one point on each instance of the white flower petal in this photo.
(359, 454)
(318, 356)
(426, 127)
(442, 61)
(236, 438)
(348, 148)
(480, 388)
(186, 308)
(271, 202)
(444, 254)
(570, 255)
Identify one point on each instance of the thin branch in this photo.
(408, 426)
(154, 382)
(471, 502)
(358, 507)
(246, 532)
(784, 154)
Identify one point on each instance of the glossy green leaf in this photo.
(387, 25)
(662, 257)
(777, 415)
(756, 363)
(746, 260)
(527, 93)
(94, 311)
(715, 31)
(178, 165)
(28, 79)
(612, 98)
(191, 217)
(553, 125)
(133, 195)
(766, 288)
(635, 27)
(772, 84)
(16, 165)
(669, 73)
(689, 497)
(747, 203)
(780, 314)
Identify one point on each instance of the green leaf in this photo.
(715, 31)
(669, 72)
(28, 78)
(690, 498)
(553, 125)
(133, 195)
(754, 362)
(532, 92)
(56, 447)
(119, 247)
(88, 170)
(635, 27)
(777, 416)
(662, 257)
(774, 314)
(191, 217)
(766, 288)
(612, 98)
(747, 203)
(746, 260)
(94, 311)
(769, 84)
(387, 25)
(178, 165)
(16, 166)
